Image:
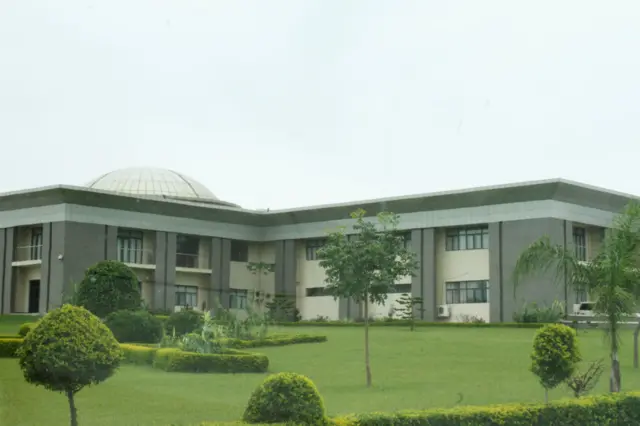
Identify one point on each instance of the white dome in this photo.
(153, 182)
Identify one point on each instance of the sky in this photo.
(286, 103)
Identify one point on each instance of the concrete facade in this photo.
(49, 236)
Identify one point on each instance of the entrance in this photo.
(34, 296)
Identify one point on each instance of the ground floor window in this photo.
(187, 295)
(238, 299)
(467, 292)
(581, 296)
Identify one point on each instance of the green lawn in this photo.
(427, 368)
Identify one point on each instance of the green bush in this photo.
(138, 355)
(230, 361)
(26, 327)
(134, 326)
(68, 350)
(405, 323)
(108, 286)
(532, 313)
(272, 341)
(9, 346)
(614, 409)
(184, 322)
(286, 397)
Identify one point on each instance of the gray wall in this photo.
(164, 292)
(285, 268)
(507, 241)
(79, 245)
(6, 257)
(220, 273)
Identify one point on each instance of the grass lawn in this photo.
(431, 367)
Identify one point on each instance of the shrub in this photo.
(68, 350)
(9, 346)
(286, 397)
(134, 326)
(619, 410)
(138, 355)
(555, 355)
(581, 383)
(273, 341)
(230, 361)
(184, 322)
(109, 286)
(26, 327)
(532, 313)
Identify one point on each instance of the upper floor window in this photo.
(312, 247)
(402, 288)
(407, 240)
(467, 292)
(129, 243)
(468, 238)
(238, 299)
(187, 248)
(316, 291)
(239, 251)
(36, 244)
(580, 243)
(187, 295)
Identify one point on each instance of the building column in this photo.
(220, 284)
(496, 291)
(164, 294)
(423, 283)
(111, 243)
(6, 269)
(285, 268)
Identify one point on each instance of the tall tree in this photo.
(365, 267)
(611, 277)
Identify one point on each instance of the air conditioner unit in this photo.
(444, 311)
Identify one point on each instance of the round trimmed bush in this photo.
(134, 326)
(68, 350)
(286, 398)
(184, 322)
(26, 328)
(109, 286)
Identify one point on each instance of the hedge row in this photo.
(619, 410)
(230, 361)
(9, 346)
(172, 359)
(273, 341)
(406, 323)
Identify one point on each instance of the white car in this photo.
(585, 309)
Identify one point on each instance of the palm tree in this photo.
(611, 277)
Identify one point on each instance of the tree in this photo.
(582, 383)
(555, 355)
(109, 286)
(70, 349)
(364, 268)
(407, 308)
(611, 277)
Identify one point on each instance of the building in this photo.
(190, 248)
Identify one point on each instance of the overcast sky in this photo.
(287, 103)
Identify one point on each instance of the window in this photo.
(402, 288)
(580, 243)
(468, 292)
(467, 238)
(407, 240)
(129, 246)
(187, 248)
(239, 251)
(36, 244)
(581, 296)
(187, 295)
(312, 248)
(238, 299)
(317, 291)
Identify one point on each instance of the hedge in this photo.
(138, 355)
(406, 323)
(171, 359)
(273, 341)
(619, 410)
(9, 346)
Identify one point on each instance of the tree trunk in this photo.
(615, 380)
(367, 365)
(635, 345)
(72, 409)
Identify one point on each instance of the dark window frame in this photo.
(239, 297)
(312, 246)
(580, 242)
(467, 238)
(467, 292)
(186, 292)
(239, 251)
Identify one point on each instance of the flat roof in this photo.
(552, 189)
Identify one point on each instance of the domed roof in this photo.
(154, 182)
